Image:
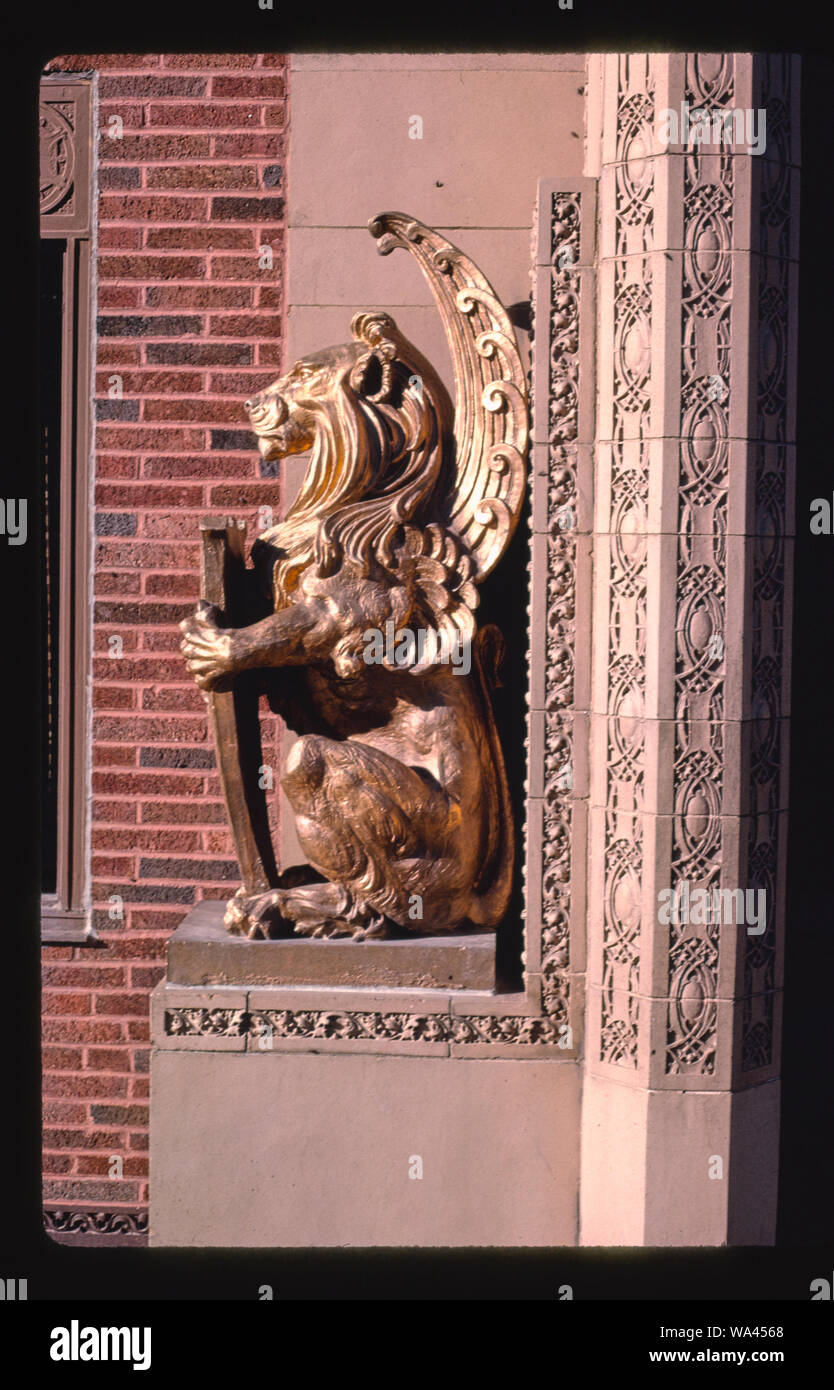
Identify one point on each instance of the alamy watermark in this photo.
(702, 906)
(741, 128)
(423, 647)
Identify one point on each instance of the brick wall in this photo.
(189, 323)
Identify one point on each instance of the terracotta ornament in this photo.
(357, 620)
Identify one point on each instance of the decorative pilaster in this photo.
(692, 559)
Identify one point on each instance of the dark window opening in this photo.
(51, 299)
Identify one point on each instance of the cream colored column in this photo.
(693, 557)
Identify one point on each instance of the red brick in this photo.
(118, 583)
(142, 948)
(199, 297)
(186, 811)
(61, 1139)
(118, 812)
(93, 1192)
(120, 554)
(118, 354)
(99, 1087)
(131, 117)
(165, 917)
(115, 866)
(81, 1138)
(242, 384)
(146, 976)
(208, 60)
(131, 437)
(204, 114)
(141, 207)
(239, 495)
(270, 296)
(64, 1002)
(62, 1112)
(114, 696)
(241, 208)
(84, 975)
(246, 325)
(57, 1163)
(144, 86)
(272, 353)
(118, 297)
(75, 62)
(198, 411)
(116, 614)
(61, 1058)
(113, 756)
(178, 729)
(172, 586)
(168, 526)
(253, 145)
(170, 698)
(199, 238)
(96, 1163)
(115, 466)
(162, 841)
(217, 842)
(203, 176)
(112, 497)
(122, 1005)
(153, 380)
(108, 1059)
(205, 467)
(101, 642)
(128, 1115)
(151, 267)
(83, 1031)
(271, 86)
(111, 238)
(142, 148)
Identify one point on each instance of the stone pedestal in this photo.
(202, 952)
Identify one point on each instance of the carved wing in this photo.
(491, 408)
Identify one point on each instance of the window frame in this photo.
(66, 913)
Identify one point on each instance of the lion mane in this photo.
(381, 453)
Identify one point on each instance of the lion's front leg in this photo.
(294, 636)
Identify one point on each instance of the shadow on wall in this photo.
(806, 1196)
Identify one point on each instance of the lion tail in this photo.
(492, 889)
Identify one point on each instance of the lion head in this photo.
(377, 419)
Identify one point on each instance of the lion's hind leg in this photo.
(371, 825)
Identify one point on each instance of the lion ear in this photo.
(372, 376)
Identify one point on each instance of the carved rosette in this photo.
(57, 155)
(65, 146)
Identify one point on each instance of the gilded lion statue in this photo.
(369, 647)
